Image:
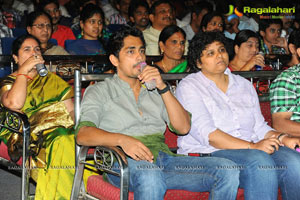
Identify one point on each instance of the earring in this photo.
(162, 52)
(81, 32)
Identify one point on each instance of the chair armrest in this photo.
(14, 121)
(18, 123)
(104, 158)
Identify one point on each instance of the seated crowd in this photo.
(214, 112)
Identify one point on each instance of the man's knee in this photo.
(149, 175)
(228, 171)
(260, 159)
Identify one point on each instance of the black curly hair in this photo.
(198, 44)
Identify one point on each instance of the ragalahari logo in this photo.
(232, 10)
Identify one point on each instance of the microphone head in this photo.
(143, 65)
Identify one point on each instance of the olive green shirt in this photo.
(111, 106)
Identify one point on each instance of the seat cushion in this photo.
(4, 153)
(109, 192)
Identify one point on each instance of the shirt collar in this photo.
(208, 82)
(124, 85)
(155, 31)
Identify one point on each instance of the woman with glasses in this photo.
(215, 22)
(47, 101)
(39, 25)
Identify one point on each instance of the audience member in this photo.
(60, 32)
(246, 48)
(161, 15)
(197, 13)
(172, 45)
(9, 16)
(39, 25)
(251, 20)
(122, 16)
(138, 13)
(4, 32)
(287, 20)
(227, 123)
(271, 42)
(47, 101)
(293, 40)
(231, 26)
(91, 23)
(108, 8)
(23, 6)
(285, 95)
(287, 23)
(142, 116)
(215, 22)
(76, 20)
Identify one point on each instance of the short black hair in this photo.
(198, 7)
(116, 41)
(19, 41)
(294, 38)
(208, 17)
(157, 3)
(31, 17)
(243, 36)
(44, 3)
(134, 4)
(198, 44)
(266, 23)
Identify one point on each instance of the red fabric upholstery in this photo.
(109, 192)
(4, 153)
(266, 111)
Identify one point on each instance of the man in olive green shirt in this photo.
(121, 112)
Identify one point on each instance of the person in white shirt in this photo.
(161, 15)
(227, 123)
(198, 11)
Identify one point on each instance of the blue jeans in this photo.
(197, 174)
(261, 173)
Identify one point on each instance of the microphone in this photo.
(151, 85)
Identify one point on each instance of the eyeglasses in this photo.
(42, 26)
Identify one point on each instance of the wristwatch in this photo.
(166, 89)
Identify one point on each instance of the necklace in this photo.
(163, 66)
